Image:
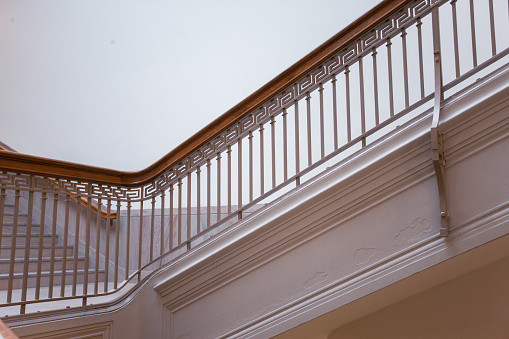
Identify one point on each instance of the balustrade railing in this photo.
(378, 73)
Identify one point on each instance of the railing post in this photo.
(437, 153)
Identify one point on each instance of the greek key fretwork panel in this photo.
(368, 42)
(13, 181)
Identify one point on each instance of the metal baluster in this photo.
(208, 192)
(347, 85)
(87, 245)
(335, 111)
(361, 97)
(262, 171)
(455, 35)
(28, 237)
(273, 148)
(107, 251)
(492, 28)
(76, 246)
(189, 230)
(97, 245)
(239, 182)
(140, 240)
(405, 66)
(17, 195)
(218, 212)
(117, 246)
(161, 249)
(297, 151)
(66, 236)
(171, 217)
(2, 205)
(179, 211)
(152, 217)
(285, 146)
(389, 69)
(41, 242)
(421, 66)
(472, 31)
(250, 138)
(229, 177)
(53, 244)
(198, 202)
(322, 128)
(375, 87)
(308, 106)
(128, 239)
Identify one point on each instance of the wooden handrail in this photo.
(48, 167)
(83, 201)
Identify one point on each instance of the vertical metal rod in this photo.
(41, 243)
(492, 28)
(179, 211)
(140, 238)
(297, 151)
(198, 202)
(308, 106)
(239, 182)
(107, 250)
(208, 192)
(2, 204)
(64, 249)
(322, 127)
(472, 31)
(229, 178)
(13, 245)
(421, 65)
(128, 239)
(189, 230)
(389, 69)
(439, 95)
(285, 145)
(53, 245)
(76, 246)
(347, 85)
(361, 97)
(218, 212)
(27, 245)
(161, 248)
(152, 217)
(405, 66)
(375, 87)
(117, 246)
(171, 217)
(455, 36)
(335, 111)
(250, 138)
(273, 148)
(87, 245)
(97, 245)
(262, 170)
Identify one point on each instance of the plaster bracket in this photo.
(437, 155)
(437, 152)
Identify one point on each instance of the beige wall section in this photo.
(474, 305)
